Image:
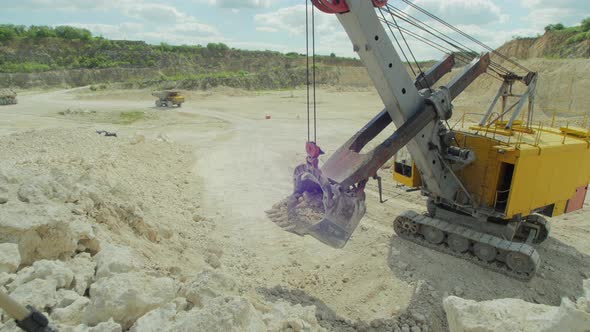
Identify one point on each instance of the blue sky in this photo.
(279, 25)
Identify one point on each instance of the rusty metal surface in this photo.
(469, 74)
(435, 73)
(348, 167)
(577, 202)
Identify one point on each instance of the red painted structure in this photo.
(340, 6)
(577, 202)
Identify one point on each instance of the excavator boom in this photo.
(411, 104)
(478, 202)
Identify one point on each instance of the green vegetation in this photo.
(554, 27)
(578, 37)
(10, 32)
(41, 48)
(129, 117)
(576, 34)
(23, 67)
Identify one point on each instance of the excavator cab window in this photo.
(504, 184)
(403, 167)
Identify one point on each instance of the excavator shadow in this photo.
(561, 273)
(331, 321)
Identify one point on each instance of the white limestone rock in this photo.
(39, 293)
(223, 314)
(65, 297)
(583, 302)
(46, 270)
(6, 278)
(127, 296)
(108, 326)
(207, 285)
(83, 268)
(115, 259)
(9, 257)
(513, 315)
(284, 317)
(71, 314)
(156, 320)
(9, 326)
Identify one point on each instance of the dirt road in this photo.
(245, 162)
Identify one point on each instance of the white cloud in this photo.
(154, 23)
(330, 36)
(240, 3)
(191, 26)
(154, 12)
(267, 29)
(461, 11)
(64, 4)
(173, 21)
(125, 30)
(544, 12)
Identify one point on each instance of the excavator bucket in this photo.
(319, 208)
(328, 203)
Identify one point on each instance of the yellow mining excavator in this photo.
(488, 188)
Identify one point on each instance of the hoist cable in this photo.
(313, 70)
(465, 35)
(409, 48)
(307, 62)
(447, 39)
(492, 65)
(462, 58)
(398, 44)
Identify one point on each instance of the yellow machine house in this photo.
(525, 170)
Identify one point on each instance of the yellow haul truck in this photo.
(168, 98)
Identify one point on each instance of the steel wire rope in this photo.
(464, 34)
(443, 37)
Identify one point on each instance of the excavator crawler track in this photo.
(514, 259)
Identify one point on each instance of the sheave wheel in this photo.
(458, 243)
(485, 252)
(405, 226)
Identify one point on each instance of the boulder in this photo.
(83, 268)
(39, 218)
(583, 302)
(39, 293)
(223, 313)
(44, 231)
(127, 296)
(71, 314)
(46, 270)
(9, 257)
(156, 320)
(513, 315)
(284, 317)
(115, 259)
(108, 326)
(6, 278)
(207, 285)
